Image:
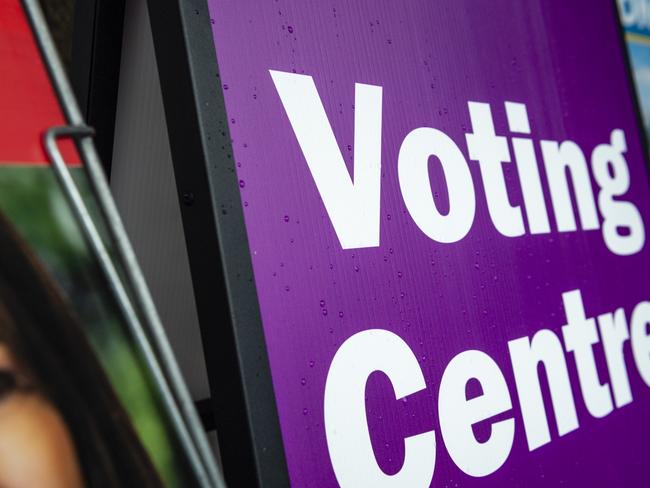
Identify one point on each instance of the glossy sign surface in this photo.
(432, 257)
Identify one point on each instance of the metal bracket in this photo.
(94, 239)
(149, 333)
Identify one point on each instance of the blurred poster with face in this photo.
(635, 17)
(78, 406)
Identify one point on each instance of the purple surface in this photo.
(564, 60)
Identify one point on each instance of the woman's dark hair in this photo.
(48, 343)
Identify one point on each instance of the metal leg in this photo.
(125, 253)
(97, 246)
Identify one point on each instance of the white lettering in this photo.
(458, 414)
(346, 424)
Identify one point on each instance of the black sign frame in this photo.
(236, 358)
(243, 400)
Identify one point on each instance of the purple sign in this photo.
(446, 206)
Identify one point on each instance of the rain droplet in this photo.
(290, 29)
(303, 381)
(311, 364)
(242, 183)
(324, 311)
(286, 218)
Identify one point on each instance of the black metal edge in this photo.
(632, 86)
(95, 68)
(233, 340)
